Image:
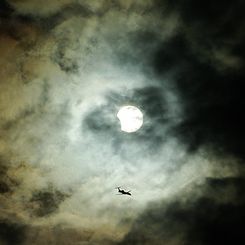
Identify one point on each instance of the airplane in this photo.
(123, 192)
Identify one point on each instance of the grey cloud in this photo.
(11, 233)
(46, 201)
(199, 220)
(215, 35)
(6, 182)
(68, 67)
(38, 7)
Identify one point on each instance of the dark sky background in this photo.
(66, 67)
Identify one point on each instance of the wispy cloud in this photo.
(66, 68)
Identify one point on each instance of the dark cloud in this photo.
(57, 235)
(200, 220)
(12, 233)
(5, 9)
(69, 65)
(7, 183)
(46, 202)
(4, 187)
(48, 23)
(173, 55)
(17, 233)
(211, 26)
(212, 91)
(214, 116)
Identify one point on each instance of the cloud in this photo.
(209, 86)
(68, 66)
(38, 8)
(208, 38)
(11, 233)
(199, 219)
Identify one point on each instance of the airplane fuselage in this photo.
(124, 192)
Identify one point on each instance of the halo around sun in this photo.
(131, 118)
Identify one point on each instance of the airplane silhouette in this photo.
(123, 192)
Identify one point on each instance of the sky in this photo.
(67, 67)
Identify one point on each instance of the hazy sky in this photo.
(66, 67)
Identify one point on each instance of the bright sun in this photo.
(131, 118)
